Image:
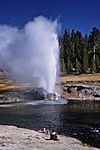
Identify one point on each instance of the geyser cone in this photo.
(31, 52)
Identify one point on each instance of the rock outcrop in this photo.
(33, 94)
(13, 138)
(81, 91)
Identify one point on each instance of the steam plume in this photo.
(31, 52)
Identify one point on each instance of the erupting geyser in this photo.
(31, 52)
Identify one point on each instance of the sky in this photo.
(80, 15)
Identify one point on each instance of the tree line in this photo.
(78, 53)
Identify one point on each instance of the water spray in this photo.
(31, 52)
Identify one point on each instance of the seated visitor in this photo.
(53, 135)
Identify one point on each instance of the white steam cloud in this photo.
(31, 52)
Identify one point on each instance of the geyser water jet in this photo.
(31, 52)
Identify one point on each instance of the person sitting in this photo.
(45, 130)
(53, 135)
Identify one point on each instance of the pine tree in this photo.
(85, 60)
(93, 66)
(78, 66)
(97, 62)
(69, 65)
(73, 47)
(94, 44)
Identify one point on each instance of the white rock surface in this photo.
(13, 138)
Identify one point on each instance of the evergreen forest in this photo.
(78, 53)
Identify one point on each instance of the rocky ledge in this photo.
(13, 138)
(80, 91)
(33, 94)
(30, 94)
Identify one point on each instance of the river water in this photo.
(76, 119)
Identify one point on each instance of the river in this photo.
(80, 120)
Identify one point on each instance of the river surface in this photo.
(80, 120)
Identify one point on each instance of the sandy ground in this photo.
(13, 138)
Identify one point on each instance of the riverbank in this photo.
(13, 138)
(81, 87)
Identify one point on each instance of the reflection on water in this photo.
(77, 119)
(45, 102)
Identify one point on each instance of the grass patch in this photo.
(81, 78)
